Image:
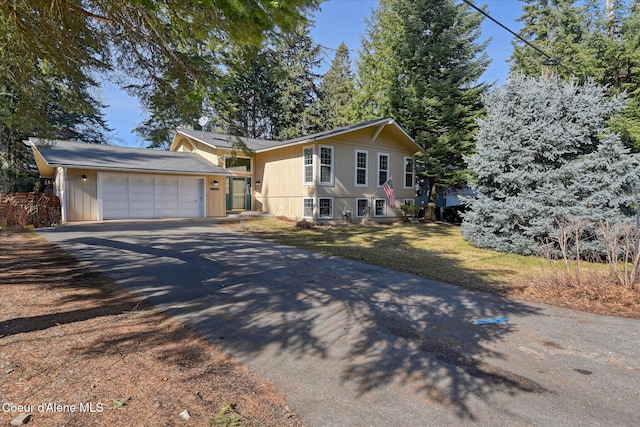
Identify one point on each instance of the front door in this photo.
(239, 194)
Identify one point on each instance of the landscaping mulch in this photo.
(76, 349)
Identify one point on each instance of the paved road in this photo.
(356, 345)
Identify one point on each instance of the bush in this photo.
(304, 224)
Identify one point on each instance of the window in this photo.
(383, 168)
(325, 207)
(408, 202)
(326, 165)
(362, 168)
(237, 164)
(307, 165)
(380, 207)
(307, 208)
(362, 207)
(409, 174)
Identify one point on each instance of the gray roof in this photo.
(107, 157)
(219, 140)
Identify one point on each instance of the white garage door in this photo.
(150, 196)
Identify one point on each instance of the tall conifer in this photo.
(421, 64)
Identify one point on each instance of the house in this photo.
(319, 177)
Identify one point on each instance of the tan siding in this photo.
(280, 174)
(281, 191)
(184, 144)
(81, 197)
(216, 203)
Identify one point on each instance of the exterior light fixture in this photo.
(84, 178)
(257, 182)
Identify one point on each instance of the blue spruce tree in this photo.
(544, 156)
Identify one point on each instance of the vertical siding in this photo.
(280, 172)
(216, 203)
(81, 197)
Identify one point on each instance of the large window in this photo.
(326, 165)
(409, 173)
(307, 165)
(362, 167)
(307, 208)
(383, 168)
(325, 208)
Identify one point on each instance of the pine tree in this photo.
(420, 64)
(557, 28)
(247, 102)
(169, 49)
(297, 57)
(336, 90)
(37, 100)
(591, 39)
(378, 66)
(545, 156)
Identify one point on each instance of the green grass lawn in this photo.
(434, 251)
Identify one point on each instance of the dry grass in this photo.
(70, 336)
(438, 251)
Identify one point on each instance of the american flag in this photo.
(387, 187)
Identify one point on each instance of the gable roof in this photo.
(57, 153)
(218, 140)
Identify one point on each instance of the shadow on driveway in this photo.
(333, 334)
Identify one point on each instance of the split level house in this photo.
(320, 177)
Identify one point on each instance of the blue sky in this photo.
(337, 21)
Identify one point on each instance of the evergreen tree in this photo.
(336, 90)
(36, 100)
(247, 103)
(420, 64)
(378, 66)
(545, 156)
(591, 39)
(297, 56)
(559, 29)
(168, 48)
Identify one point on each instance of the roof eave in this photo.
(142, 170)
(383, 122)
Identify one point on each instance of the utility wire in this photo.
(550, 59)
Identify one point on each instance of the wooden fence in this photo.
(37, 209)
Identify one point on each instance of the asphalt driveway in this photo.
(353, 344)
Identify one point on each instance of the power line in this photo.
(550, 59)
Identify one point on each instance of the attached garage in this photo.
(130, 196)
(102, 182)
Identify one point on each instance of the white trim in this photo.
(366, 168)
(312, 165)
(63, 196)
(388, 170)
(357, 200)
(330, 183)
(384, 209)
(331, 216)
(313, 207)
(404, 172)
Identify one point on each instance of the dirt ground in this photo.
(78, 350)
